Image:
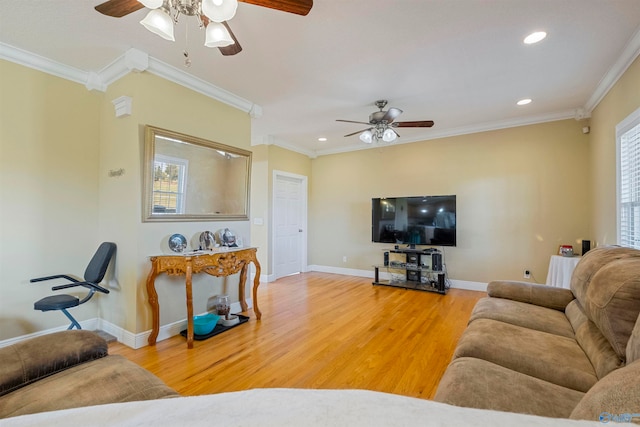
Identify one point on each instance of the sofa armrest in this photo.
(34, 359)
(531, 293)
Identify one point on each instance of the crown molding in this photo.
(629, 54)
(271, 140)
(196, 84)
(132, 60)
(40, 63)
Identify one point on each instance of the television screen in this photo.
(421, 220)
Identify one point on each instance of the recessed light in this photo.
(524, 101)
(322, 139)
(535, 37)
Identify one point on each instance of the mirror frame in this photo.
(148, 169)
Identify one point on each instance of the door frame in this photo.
(304, 215)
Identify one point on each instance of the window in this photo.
(169, 184)
(628, 150)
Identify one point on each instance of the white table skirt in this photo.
(560, 270)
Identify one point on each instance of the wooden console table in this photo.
(219, 263)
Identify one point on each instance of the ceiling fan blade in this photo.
(355, 133)
(232, 49)
(119, 8)
(351, 121)
(390, 115)
(419, 124)
(299, 7)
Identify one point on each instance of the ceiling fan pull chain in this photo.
(187, 60)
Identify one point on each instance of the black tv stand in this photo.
(411, 268)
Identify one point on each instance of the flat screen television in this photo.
(420, 220)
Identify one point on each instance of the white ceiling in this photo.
(460, 63)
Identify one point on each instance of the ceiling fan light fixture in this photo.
(151, 4)
(219, 10)
(217, 35)
(159, 22)
(366, 137)
(389, 135)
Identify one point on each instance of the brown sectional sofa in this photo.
(555, 352)
(70, 369)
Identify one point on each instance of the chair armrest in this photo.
(531, 293)
(28, 361)
(89, 285)
(57, 276)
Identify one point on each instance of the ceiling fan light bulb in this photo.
(389, 135)
(219, 10)
(217, 35)
(366, 137)
(159, 22)
(151, 4)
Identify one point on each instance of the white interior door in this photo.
(289, 223)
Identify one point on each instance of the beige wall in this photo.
(622, 100)
(58, 143)
(520, 194)
(49, 185)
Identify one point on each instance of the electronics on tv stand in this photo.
(413, 249)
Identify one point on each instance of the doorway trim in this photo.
(304, 180)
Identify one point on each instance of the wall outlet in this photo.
(344, 258)
(527, 274)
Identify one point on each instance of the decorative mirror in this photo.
(192, 179)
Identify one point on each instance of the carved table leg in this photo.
(189, 274)
(241, 287)
(152, 297)
(256, 283)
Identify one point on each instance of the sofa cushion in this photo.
(633, 346)
(550, 357)
(523, 314)
(615, 397)
(476, 383)
(111, 379)
(31, 360)
(612, 301)
(592, 341)
(531, 293)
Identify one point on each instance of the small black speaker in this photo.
(436, 262)
(386, 259)
(586, 246)
(413, 276)
(441, 282)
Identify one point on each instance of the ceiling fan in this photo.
(382, 125)
(120, 8)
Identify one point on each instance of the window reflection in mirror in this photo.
(189, 179)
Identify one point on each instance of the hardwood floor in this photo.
(326, 331)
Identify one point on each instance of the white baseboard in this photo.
(341, 270)
(470, 286)
(122, 335)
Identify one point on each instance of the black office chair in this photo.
(93, 275)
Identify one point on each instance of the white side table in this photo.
(560, 270)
